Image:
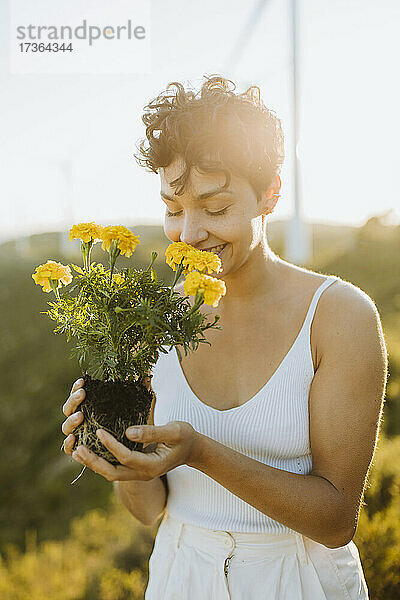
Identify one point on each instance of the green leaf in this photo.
(78, 269)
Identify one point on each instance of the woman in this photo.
(259, 444)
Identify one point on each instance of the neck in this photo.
(259, 277)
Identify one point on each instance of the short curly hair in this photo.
(214, 129)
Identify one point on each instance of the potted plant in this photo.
(120, 322)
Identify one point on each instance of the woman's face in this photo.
(206, 219)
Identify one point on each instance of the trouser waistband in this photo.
(218, 542)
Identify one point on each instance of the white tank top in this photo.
(272, 427)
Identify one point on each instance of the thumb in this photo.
(154, 433)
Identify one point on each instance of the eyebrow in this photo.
(203, 196)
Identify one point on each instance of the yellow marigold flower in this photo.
(52, 270)
(211, 287)
(85, 232)
(175, 252)
(126, 239)
(117, 277)
(202, 261)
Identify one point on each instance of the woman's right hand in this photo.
(75, 417)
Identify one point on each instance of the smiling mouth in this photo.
(218, 252)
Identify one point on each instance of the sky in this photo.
(67, 141)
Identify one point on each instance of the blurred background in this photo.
(328, 69)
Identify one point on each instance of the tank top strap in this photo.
(313, 304)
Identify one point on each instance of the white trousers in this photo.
(196, 563)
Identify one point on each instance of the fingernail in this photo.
(134, 431)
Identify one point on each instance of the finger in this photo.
(171, 432)
(72, 422)
(131, 458)
(73, 401)
(86, 457)
(120, 451)
(78, 384)
(68, 444)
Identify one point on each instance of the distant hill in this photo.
(327, 239)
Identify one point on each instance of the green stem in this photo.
(198, 301)
(178, 273)
(153, 258)
(88, 255)
(54, 287)
(86, 248)
(114, 252)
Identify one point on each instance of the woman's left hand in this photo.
(176, 444)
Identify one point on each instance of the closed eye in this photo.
(220, 212)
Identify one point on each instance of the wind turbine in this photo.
(298, 235)
(298, 246)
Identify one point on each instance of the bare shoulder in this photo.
(340, 295)
(347, 293)
(343, 310)
(344, 307)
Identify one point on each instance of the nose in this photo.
(192, 231)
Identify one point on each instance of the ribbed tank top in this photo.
(272, 427)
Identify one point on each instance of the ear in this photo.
(271, 196)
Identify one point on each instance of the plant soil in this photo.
(112, 406)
